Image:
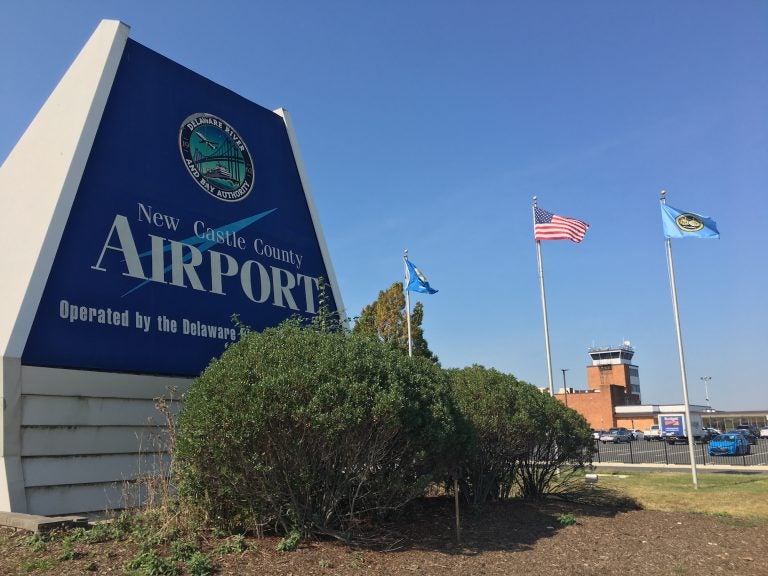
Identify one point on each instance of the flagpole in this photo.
(408, 303)
(543, 304)
(688, 422)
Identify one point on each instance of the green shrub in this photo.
(236, 544)
(521, 438)
(566, 519)
(490, 401)
(67, 550)
(290, 542)
(36, 542)
(96, 533)
(149, 563)
(183, 550)
(558, 446)
(305, 429)
(199, 564)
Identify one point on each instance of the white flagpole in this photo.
(688, 423)
(543, 304)
(408, 302)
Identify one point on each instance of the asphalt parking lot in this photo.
(657, 452)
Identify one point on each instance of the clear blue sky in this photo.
(431, 125)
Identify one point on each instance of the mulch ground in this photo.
(505, 538)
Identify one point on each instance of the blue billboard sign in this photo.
(190, 210)
(672, 425)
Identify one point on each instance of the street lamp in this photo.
(706, 380)
(565, 388)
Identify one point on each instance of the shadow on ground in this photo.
(512, 525)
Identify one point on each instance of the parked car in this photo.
(637, 434)
(751, 428)
(616, 435)
(652, 433)
(712, 432)
(751, 438)
(729, 444)
(764, 432)
(597, 433)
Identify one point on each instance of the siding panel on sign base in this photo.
(58, 382)
(53, 500)
(61, 471)
(69, 440)
(84, 411)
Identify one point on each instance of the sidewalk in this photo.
(682, 467)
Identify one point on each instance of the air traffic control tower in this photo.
(613, 366)
(612, 380)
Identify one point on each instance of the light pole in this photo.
(565, 388)
(706, 380)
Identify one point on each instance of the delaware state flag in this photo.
(417, 282)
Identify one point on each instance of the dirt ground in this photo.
(506, 538)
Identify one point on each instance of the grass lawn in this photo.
(738, 495)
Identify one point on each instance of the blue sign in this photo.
(190, 210)
(672, 425)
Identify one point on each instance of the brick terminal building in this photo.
(612, 397)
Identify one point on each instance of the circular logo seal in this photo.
(689, 223)
(216, 157)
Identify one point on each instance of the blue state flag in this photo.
(681, 224)
(417, 282)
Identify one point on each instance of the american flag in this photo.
(550, 226)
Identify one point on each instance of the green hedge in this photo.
(522, 440)
(307, 430)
